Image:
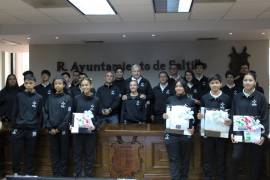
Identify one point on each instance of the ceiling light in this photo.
(230, 33)
(263, 33)
(124, 36)
(184, 5)
(93, 7)
(56, 37)
(172, 6)
(28, 38)
(153, 35)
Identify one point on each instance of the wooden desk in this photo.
(137, 151)
(132, 150)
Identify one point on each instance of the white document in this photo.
(179, 118)
(238, 138)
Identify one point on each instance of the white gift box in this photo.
(212, 123)
(179, 119)
(82, 122)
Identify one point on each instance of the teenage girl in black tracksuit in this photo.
(84, 145)
(192, 88)
(249, 102)
(133, 108)
(179, 147)
(57, 118)
(7, 99)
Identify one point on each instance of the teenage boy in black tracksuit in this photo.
(174, 75)
(27, 112)
(249, 102)
(179, 147)
(45, 87)
(133, 108)
(230, 87)
(161, 92)
(119, 80)
(67, 79)
(75, 88)
(66, 76)
(25, 73)
(200, 79)
(214, 148)
(86, 143)
(110, 97)
(75, 84)
(245, 69)
(57, 118)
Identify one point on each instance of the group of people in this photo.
(30, 107)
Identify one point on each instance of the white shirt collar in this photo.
(68, 85)
(178, 77)
(162, 87)
(138, 80)
(230, 86)
(199, 77)
(215, 96)
(45, 84)
(248, 94)
(189, 85)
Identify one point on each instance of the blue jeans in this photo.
(113, 119)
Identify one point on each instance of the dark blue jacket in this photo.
(27, 111)
(57, 111)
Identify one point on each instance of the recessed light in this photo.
(230, 33)
(56, 37)
(172, 6)
(184, 5)
(154, 35)
(124, 35)
(263, 33)
(93, 7)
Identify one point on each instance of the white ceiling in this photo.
(246, 19)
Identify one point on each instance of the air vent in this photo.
(208, 39)
(48, 3)
(93, 42)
